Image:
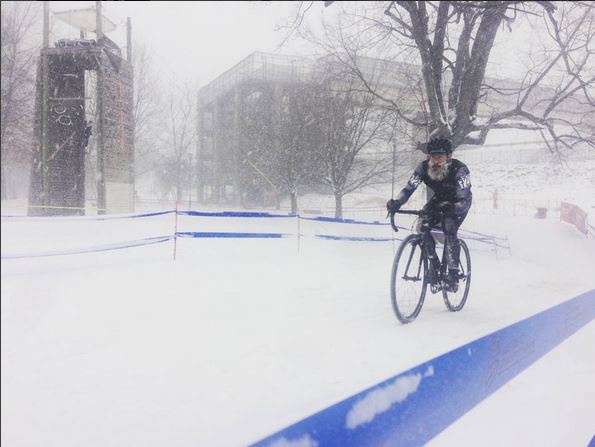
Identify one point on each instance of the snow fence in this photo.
(53, 236)
(32, 237)
(575, 215)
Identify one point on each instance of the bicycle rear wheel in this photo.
(408, 284)
(456, 300)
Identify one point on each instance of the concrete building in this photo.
(220, 105)
(223, 177)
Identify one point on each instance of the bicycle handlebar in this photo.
(418, 213)
(413, 212)
(392, 222)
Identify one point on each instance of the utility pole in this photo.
(44, 107)
(128, 39)
(101, 202)
(129, 58)
(190, 181)
(394, 144)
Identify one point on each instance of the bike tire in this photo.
(401, 293)
(455, 301)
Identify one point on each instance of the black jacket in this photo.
(455, 188)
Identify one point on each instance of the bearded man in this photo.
(450, 180)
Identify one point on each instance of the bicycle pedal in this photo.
(451, 288)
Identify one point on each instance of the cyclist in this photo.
(450, 180)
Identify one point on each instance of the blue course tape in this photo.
(483, 240)
(98, 217)
(355, 238)
(413, 407)
(490, 240)
(229, 235)
(116, 246)
(232, 214)
(347, 221)
(483, 234)
(158, 213)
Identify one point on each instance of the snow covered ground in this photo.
(240, 337)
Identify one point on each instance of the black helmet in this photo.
(439, 146)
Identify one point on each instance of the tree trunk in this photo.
(294, 207)
(4, 185)
(178, 192)
(474, 73)
(6, 109)
(338, 206)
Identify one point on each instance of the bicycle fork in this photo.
(417, 273)
(429, 249)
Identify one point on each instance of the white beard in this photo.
(438, 173)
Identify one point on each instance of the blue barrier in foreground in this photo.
(414, 406)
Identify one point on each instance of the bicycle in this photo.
(412, 273)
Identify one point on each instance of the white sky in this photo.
(198, 41)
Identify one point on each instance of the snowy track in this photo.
(239, 338)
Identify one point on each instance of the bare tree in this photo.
(283, 130)
(296, 140)
(565, 112)
(255, 158)
(351, 123)
(452, 42)
(18, 85)
(178, 136)
(146, 111)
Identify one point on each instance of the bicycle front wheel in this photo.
(407, 284)
(455, 301)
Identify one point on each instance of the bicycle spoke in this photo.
(419, 266)
(456, 300)
(407, 291)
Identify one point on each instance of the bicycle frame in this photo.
(422, 239)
